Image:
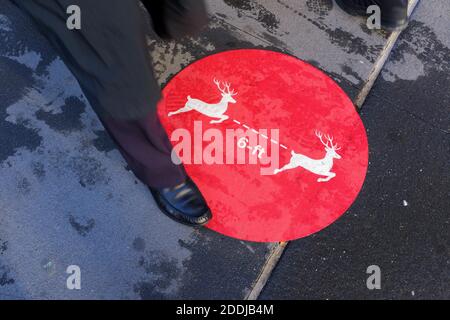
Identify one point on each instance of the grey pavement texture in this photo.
(401, 220)
(66, 195)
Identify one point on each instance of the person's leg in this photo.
(146, 148)
(110, 59)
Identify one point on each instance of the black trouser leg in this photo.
(147, 150)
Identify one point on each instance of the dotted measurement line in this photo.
(260, 134)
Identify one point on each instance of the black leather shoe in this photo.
(183, 203)
(394, 13)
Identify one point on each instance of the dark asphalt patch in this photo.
(162, 273)
(236, 262)
(15, 81)
(82, 225)
(253, 9)
(39, 170)
(103, 142)
(5, 278)
(68, 120)
(320, 7)
(399, 222)
(3, 246)
(433, 102)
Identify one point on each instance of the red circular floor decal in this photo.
(274, 144)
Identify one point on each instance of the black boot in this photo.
(394, 13)
(183, 203)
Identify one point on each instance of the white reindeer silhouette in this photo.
(217, 110)
(321, 167)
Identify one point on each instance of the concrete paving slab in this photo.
(317, 31)
(67, 199)
(400, 221)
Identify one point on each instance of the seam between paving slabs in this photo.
(278, 250)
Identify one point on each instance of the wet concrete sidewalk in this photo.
(67, 198)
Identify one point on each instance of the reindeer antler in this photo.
(226, 89)
(329, 141)
(320, 136)
(217, 82)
